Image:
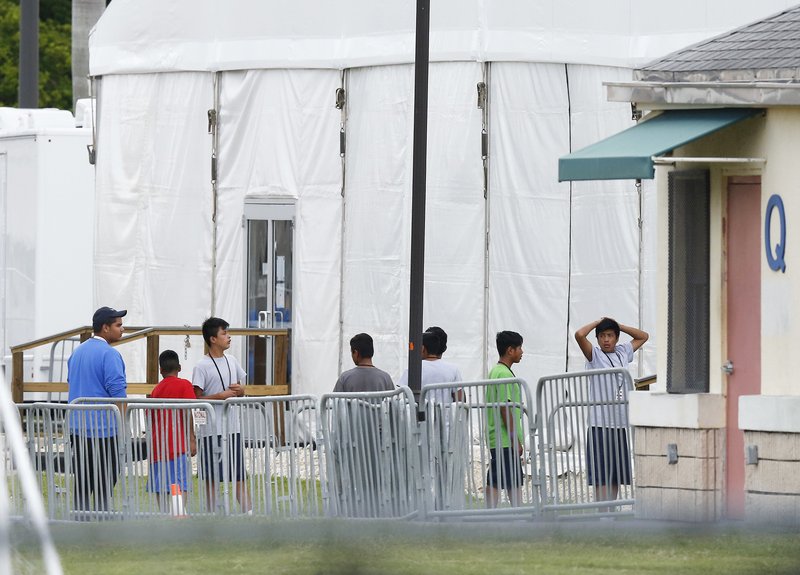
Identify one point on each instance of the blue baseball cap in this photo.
(105, 314)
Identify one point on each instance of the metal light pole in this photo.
(28, 94)
(418, 181)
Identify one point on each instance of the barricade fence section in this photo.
(77, 454)
(372, 453)
(255, 456)
(474, 466)
(346, 454)
(585, 443)
(161, 464)
(271, 462)
(44, 434)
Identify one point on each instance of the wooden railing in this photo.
(644, 383)
(280, 384)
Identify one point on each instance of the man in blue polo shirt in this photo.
(96, 369)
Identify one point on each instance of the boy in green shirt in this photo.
(505, 431)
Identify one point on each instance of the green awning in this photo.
(628, 155)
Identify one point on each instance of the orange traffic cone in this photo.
(177, 500)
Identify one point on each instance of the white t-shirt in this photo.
(215, 375)
(436, 371)
(609, 388)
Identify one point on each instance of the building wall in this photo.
(668, 489)
(780, 292)
(775, 137)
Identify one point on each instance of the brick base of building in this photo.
(772, 480)
(686, 488)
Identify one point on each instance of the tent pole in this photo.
(418, 182)
(484, 105)
(343, 247)
(212, 126)
(571, 206)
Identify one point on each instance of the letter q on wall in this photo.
(776, 252)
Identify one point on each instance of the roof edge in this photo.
(740, 75)
(661, 95)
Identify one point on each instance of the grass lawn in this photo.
(366, 547)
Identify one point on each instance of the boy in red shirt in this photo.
(171, 431)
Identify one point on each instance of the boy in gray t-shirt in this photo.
(364, 376)
(219, 376)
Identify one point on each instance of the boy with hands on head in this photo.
(607, 455)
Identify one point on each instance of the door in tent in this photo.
(268, 298)
(743, 243)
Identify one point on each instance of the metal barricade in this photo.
(161, 466)
(473, 468)
(351, 455)
(371, 453)
(46, 438)
(79, 456)
(585, 443)
(269, 446)
(60, 351)
(136, 437)
(273, 466)
(120, 402)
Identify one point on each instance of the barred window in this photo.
(689, 280)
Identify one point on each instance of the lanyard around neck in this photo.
(230, 374)
(611, 361)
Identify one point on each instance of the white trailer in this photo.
(46, 238)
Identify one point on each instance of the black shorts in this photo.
(608, 460)
(505, 469)
(211, 456)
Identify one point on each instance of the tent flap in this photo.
(628, 154)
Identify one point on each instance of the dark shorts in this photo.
(505, 469)
(608, 461)
(211, 456)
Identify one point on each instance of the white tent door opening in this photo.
(268, 301)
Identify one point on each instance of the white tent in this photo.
(527, 254)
